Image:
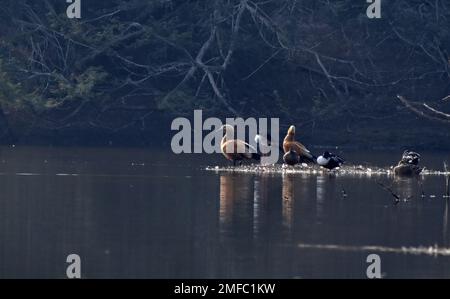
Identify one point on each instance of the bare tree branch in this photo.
(435, 115)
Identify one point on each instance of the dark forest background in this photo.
(122, 72)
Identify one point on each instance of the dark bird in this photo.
(407, 170)
(408, 165)
(291, 158)
(329, 160)
(235, 149)
(410, 157)
(289, 143)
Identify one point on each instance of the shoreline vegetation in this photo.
(123, 72)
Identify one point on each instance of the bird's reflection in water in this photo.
(408, 187)
(226, 198)
(445, 225)
(288, 200)
(235, 205)
(246, 208)
(320, 196)
(260, 195)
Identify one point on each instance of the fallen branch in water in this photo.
(397, 198)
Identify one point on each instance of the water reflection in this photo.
(252, 205)
(260, 197)
(227, 197)
(407, 187)
(445, 225)
(320, 196)
(235, 209)
(288, 200)
(171, 219)
(270, 207)
(238, 204)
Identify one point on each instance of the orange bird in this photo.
(289, 144)
(235, 149)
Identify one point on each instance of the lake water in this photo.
(143, 213)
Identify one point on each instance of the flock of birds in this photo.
(237, 150)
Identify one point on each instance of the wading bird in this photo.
(408, 165)
(289, 144)
(329, 160)
(235, 149)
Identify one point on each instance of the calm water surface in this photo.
(142, 213)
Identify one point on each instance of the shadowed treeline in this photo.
(126, 68)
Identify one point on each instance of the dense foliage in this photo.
(323, 65)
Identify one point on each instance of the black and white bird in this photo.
(410, 157)
(408, 165)
(329, 160)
